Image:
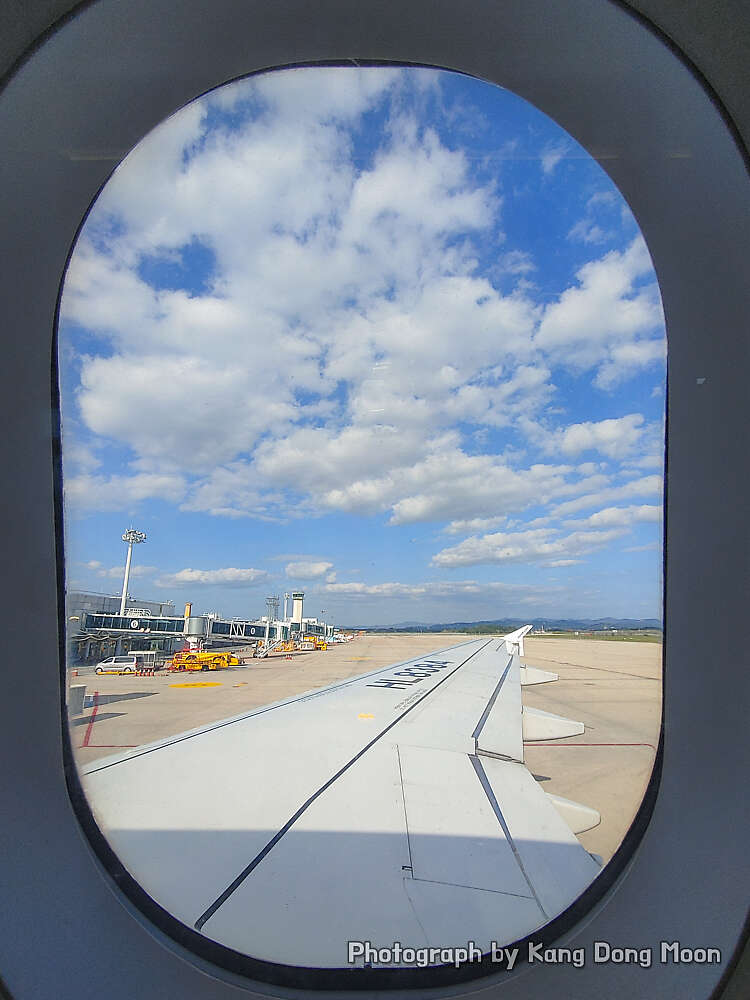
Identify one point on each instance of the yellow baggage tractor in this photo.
(194, 660)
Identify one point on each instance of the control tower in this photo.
(298, 598)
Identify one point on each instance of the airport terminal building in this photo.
(97, 630)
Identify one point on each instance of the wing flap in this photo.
(451, 915)
(557, 867)
(454, 835)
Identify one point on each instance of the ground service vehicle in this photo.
(127, 663)
(117, 664)
(657, 90)
(187, 660)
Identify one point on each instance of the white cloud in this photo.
(595, 227)
(447, 589)
(552, 156)
(307, 570)
(611, 517)
(230, 577)
(366, 470)
(315, 460)
(615, 438)
(602, 198)
(87, 492)
(589, 232)
(645, 486)
(608, 318)
(78, 457)
(118, 572)
(331, 92)
(474, 524)
(184, 411)
(652, 460)
(236, 490)
(449, 484)
(537, 545)
(517, 262)
(456, 486)
(626, 359)
(390, 242)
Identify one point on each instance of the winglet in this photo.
(516, 639)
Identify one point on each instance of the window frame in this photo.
(583, 54)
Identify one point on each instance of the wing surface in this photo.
(394, 806)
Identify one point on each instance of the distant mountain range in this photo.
(508, 624)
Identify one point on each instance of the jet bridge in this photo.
(205, 627)
(116, 632)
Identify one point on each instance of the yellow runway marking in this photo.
(198, 684)
(365, 715)
(355, 659)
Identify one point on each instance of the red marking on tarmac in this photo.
(533, 743)
(90, 726)
(112, 746)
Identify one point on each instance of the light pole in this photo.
(132, 537)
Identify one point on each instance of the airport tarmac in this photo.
(612, 687)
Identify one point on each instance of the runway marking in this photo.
(531, 743)
(199, 684)
(600, 670)
(365, 715)
(90, 726)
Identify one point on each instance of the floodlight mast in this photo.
(132, 537)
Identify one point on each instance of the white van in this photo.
(127, 663)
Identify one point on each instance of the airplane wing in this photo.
(393, 806)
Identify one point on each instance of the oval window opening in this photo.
(362, 389)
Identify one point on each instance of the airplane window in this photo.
(362, 380)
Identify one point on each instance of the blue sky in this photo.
(386, 335)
